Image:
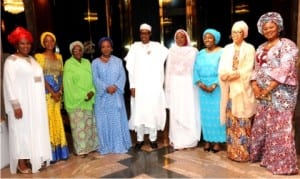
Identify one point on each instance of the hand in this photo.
(132, 92)
(18, 113)
(56, 96)
(235, 75)
(89, 96)
(111, 89)
(224, 77)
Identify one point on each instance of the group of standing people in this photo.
(236, 94)
(247, 97)
(34, 88)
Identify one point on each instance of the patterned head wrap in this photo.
(19, 33)
(270, 17)
(188, 41)
(215, 33)
(43, 36)
(145, 27)
(73, 44)
(240, 25)
(105, 39)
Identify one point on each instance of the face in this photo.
(270, 30)
(145, 36)
(106, 48)
(24, 47)
(180, 39)
(49, 42)
(209, 40)
(237, 36)
(77, 52)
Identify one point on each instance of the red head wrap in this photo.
(19, 33)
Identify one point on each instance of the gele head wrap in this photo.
(215, 33)
(270, 17)
(240, 25)
(19, 33)
(73, 44)
(43, 36)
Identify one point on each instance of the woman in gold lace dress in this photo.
(52, 65)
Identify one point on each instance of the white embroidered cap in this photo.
(145, 27)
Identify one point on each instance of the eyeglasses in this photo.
(236, 32)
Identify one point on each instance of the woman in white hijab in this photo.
(238, 103)
(182, 94)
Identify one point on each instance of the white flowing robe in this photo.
(182, 98)
(29, 136)
(145, 65)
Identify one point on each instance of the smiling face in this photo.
(23, 47)
(270, 30)
(209, 40)
(181, 39)
(145, 36)
(77, 52)
(49, 43)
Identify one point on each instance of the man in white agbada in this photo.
(145, 64)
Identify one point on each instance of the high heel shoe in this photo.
(24, 171)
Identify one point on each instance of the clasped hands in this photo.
(230, 76)
(260, 93)
(111, 89)
(208, 89)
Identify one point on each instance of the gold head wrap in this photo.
(43, 36)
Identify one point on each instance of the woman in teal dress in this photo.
(206, 77)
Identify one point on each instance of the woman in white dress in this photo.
(182, 94)
(25, 105)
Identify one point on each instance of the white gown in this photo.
(145, 65)
(29, 136)
(182, 98)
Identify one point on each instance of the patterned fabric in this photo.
(110, 112)
(84, 133)
(56, 128)
(270, 17)
(238, 133)
(206, 71)
(272, 140)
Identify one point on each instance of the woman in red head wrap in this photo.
(25, 105)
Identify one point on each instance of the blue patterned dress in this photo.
(206, 71)
(110, 112)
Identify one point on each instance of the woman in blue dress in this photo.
(111, 119)
(206, 77)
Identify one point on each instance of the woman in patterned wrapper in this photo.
(275, 85)
(111, 119)
(238, 104)
(52, 65)
(79, 100)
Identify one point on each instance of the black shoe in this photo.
(138, 145)
(153, 145)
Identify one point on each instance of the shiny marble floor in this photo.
(163, 162)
